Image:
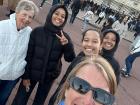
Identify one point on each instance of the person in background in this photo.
(88, 16)
(112, 16)
(121, 27)
(91, 46)
(1, 2)
(133, 24)
(67, 3)
(46, 47)
(90, 82)
(116, 25)
(129, 22)
(124, 27)
(107, 24)
(110, 44)
(75, 7)
(134, 53)
(101, 17)
(42, 3)
(136, 35)
(14, 38)
(137, 29)
(56, 2)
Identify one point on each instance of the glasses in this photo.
(99, 95)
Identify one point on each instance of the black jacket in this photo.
(137, 29)
(76, 6)
(45, 51)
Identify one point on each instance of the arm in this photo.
(29, 56)
(136, 47)
(85, 14)
(135, 50)
(68, 49)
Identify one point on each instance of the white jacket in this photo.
(88, 15)
(136, 47)
(121, 28)
(13, 49)
(102, 15)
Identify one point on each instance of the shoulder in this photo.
(5, 26)
(4, 23)
(28, 29)
(37, 30)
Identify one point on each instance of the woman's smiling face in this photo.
(109, 41)
(95, 78)
(58, 17)
(91, 43)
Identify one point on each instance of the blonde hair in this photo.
(27, 5)
(101, 64)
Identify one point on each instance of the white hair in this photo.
(27, 5)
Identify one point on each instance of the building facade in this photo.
(130, 7)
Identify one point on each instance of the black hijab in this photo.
(49, 25)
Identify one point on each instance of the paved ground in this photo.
(128, 91)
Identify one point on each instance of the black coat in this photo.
(45, 52)
(106, 27)
(137, 29)
(76, 6)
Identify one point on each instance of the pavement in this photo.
(128, 90)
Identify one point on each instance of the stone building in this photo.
(130, 7)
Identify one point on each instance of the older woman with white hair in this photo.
(14, 38)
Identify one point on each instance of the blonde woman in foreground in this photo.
(91, 82)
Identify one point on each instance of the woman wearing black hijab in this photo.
(110, 44)
(46, 46)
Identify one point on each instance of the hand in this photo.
(62, 38)
(26, 83)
